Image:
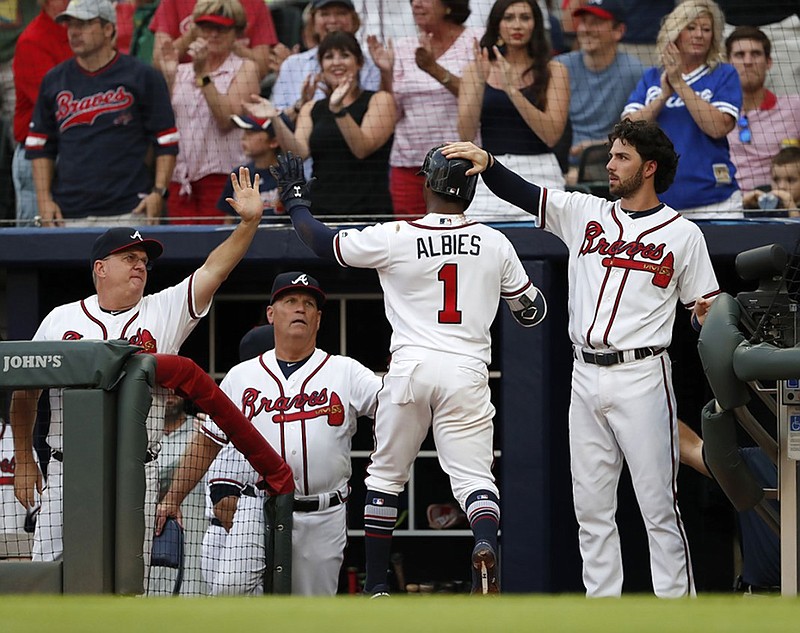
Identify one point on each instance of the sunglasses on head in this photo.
(745, 135)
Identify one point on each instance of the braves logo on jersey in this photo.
(142, 338)
(294, 409)
(595, 242)
(7, 467)
(84, 111)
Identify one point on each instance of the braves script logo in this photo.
(144, 339)
(71, 335)
(71, 112)
(253, 404)
(662, 271)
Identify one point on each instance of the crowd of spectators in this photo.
(156, 98)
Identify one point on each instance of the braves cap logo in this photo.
(136, 236)
(302, 279)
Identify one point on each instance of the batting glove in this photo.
(291, 179)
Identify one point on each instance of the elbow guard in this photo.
(530, 309)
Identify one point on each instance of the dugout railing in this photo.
(106, 398)
(107, 391)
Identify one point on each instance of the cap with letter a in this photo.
(297, 281)
(122, 238)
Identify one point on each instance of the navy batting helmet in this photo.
(448, 176)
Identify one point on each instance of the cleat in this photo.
(378, 591)
(484, 569)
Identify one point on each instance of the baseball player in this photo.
(442, 278)
(221, 498)
(121, 259)
(305, 402)
(629, 262)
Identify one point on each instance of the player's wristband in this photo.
(696, 325)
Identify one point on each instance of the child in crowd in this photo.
(261, 147)
(785, 192)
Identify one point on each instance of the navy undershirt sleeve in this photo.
(512, 188)
(313, 233)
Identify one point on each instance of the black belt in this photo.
(302, 505)
(59, 456)
(312, 505)
(606, 359)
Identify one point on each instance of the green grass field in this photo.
(401, 614)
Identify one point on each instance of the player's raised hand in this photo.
(246, 199)
(465, 149)
(289, 174)
(27, 480)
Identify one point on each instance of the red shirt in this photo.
(41, 46)
(174, 16)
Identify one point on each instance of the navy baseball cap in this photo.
(604, 9)
(297, 281)
(122, 238)
(257, 341)
(318, 4)
(247, 122)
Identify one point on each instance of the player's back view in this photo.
(442, 277)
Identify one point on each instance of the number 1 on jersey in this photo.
(448, 275)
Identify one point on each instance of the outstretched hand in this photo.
(246, 199)
(291, 179)
(471, 152)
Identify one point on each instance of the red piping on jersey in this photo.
(518, 293)
(216, 438)
(543, 208)
(303, 425)
(674, 486)
(303, 422)
(6, 481)
(337, 251)
(128, 324)
(280, 388)
(618, 299)
(190, 298)
(94, 320)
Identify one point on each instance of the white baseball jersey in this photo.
(310, 419)
(626, 272)
(424, 267)
(160, 323)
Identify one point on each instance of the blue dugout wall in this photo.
(539, 543)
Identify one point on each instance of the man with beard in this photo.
(629, 262)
